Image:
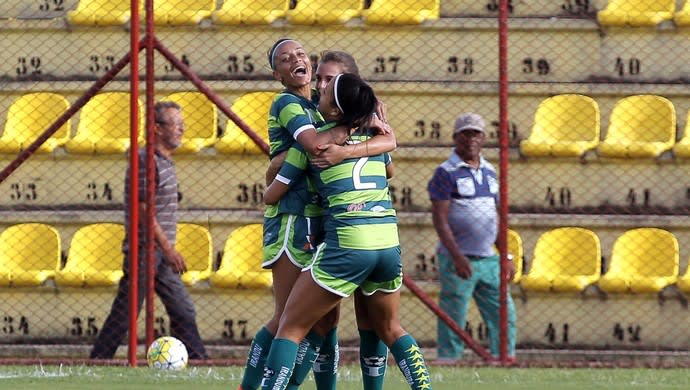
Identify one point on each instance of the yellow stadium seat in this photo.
(250, 11)
(253, 108)
(515, 249)
(636, 12)
(684, 281)
(564, 126)
(393, 12)
(104, 125)
(565, 259)
(194, 244)
(682, 147)
(29, 116)
(101, 12)
(643, 260)
(200, 120)
(95, 257)
(324, 11)
(640, 126)
(240, 266)
(29, 254)
(182, 12)
(682, 17)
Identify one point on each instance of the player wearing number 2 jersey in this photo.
(360, 249)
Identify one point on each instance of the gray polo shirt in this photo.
(166, 197)
(473, 196)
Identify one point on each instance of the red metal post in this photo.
(134, 186)
(150, 172)
(503, 177)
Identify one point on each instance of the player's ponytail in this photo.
(355, 99)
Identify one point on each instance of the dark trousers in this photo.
(175, 298)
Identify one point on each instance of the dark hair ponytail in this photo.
(354, 98)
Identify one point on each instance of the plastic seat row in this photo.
(568, 259)
(640, 126)
(104, 123)
(30, 254)
(643, 13)
(234, 12)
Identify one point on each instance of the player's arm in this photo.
(275, 191)
(293, 167)
(333, 153)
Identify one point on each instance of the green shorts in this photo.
(294, 235)
(341, 271)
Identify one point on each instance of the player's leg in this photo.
(455, 296)
(116, 324)
(384, 312)
(180, 308)
(381, 292)
(373, 352)
(280, 255)
(326, 365)
(308, 302)
(487, 295)
(307, 233)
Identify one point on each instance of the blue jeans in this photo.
(455, 298)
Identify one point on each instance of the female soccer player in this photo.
(291, 225)
(360, 249)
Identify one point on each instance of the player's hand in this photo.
(381, 111)
(328, 155)
(274, 167)
(462, 267)
(176, 261)
(379, 125)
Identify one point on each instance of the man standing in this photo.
(169, 263)
(464, 198)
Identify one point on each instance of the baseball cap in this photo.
(469, 121)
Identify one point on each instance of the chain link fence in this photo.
(598, 158)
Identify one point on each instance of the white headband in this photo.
(335, 92)
(275, 49)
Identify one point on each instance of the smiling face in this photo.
(291, 65)
(326, 72)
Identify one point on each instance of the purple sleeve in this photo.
(441, 185)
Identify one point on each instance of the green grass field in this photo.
(444, 378)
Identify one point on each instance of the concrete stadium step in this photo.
(210, 180)
(233, 316)
(450, 49)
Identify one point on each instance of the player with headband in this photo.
(292, 225)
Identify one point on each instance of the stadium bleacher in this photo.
(426, 75)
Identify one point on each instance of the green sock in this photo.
(306, 355)
(373, 354)
(411, 362)
(254, 369)
(279, 364)
(326, 365)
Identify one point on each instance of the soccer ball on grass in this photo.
(167, 353)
